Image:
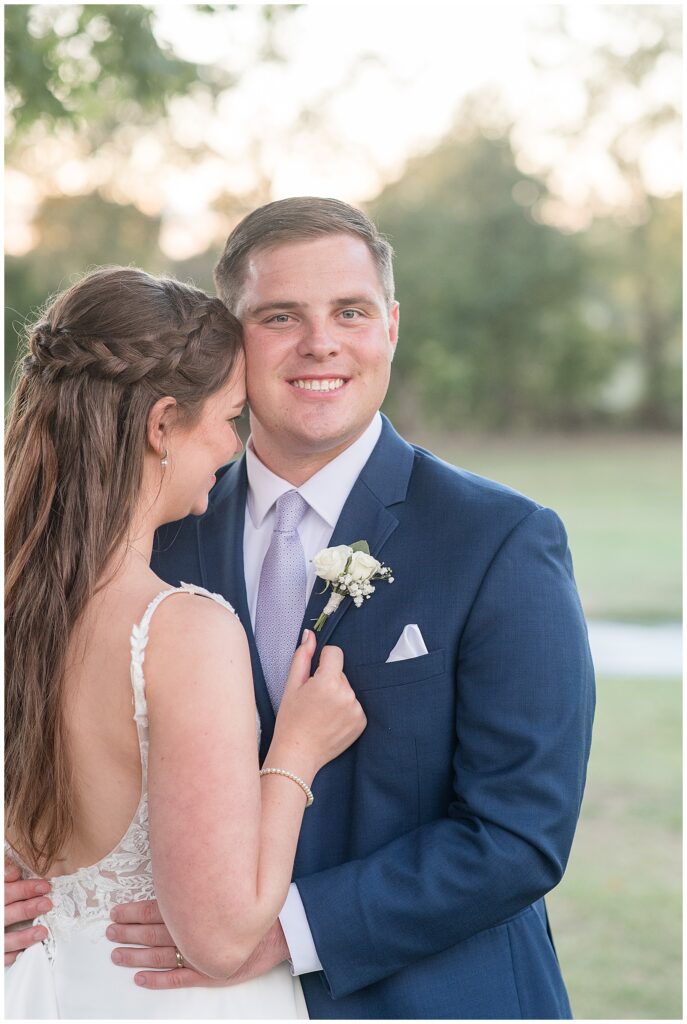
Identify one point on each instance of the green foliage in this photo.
(87, 65)
(97, 66)
(506, 323)
(76, 234)
(641, 275)
(493, 325)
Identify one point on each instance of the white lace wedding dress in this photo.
(70, 975)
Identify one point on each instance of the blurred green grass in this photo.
(619, 497)
(616, 916)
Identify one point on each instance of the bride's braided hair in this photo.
(103, 352)
(59, 351)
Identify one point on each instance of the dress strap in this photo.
(139, 641)
(191, 588)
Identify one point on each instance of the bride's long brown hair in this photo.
(103, 353)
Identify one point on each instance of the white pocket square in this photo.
(410, 645)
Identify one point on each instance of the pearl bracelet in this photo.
(294, 778)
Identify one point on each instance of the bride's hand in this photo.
(319, 716)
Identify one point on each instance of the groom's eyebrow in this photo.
(266, 307)
(356, 300)
(277, 305)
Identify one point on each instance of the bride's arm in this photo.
(222, 842)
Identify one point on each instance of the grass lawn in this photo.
(616, 916)
(619, 497)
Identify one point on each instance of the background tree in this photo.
(493, 326)
(636, 75)
(95, 66)
(519, 310)
(74, 233)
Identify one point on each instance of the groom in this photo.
(423, 862)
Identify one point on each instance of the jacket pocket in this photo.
(396, 673)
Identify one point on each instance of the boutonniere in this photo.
(349, 571)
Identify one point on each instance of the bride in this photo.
(130, 725)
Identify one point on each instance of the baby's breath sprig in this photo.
(349, 571)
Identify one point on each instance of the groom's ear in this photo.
(161, 419)
(394, 313)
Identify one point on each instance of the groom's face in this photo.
(319, 340)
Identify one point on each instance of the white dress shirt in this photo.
(326, 493)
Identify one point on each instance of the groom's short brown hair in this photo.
(292, 220)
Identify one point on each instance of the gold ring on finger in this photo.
(180, 960)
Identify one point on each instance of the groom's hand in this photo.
(141, 923)
(24, 900)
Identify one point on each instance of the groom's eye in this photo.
(279, 318)
(350, 314)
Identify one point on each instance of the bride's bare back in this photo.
(101, 732)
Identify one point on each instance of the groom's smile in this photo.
(319, 339)
(319, 384)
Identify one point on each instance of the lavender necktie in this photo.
(281, 596)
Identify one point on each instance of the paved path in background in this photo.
(623, 649)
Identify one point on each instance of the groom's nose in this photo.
(318, 339)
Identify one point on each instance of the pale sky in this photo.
(421, 61)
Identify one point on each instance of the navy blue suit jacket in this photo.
(424, 860)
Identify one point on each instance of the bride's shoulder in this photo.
(185, 613)
(189, 631)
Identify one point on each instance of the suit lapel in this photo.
(221, 554)
(363, 517)
(383, 482)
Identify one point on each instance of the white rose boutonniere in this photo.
(362, 567)
(330, 563)
(349, 571)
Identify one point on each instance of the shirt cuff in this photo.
(294, 923)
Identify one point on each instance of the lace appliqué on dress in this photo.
(124, 874)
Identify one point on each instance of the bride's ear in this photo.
(161, 419)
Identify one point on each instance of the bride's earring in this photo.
(163, 460)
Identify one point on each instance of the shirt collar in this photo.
(325, 492)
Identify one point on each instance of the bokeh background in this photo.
(525, 163)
